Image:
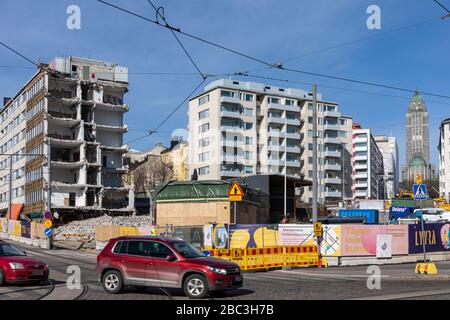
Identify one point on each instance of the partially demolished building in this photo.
(64, 131)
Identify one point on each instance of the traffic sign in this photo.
(48, 215)
(317, 229)
(235, 193)
(420, 191)
(48, 232)
(48, 223)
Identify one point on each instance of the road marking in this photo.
(405, 295)
(282, 277)
(330, 275)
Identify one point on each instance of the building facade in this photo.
(367, 164)
(67, 137)
(444, 159)
(417, 143)
(389, 149)
(241, 128)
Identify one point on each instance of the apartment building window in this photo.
(34, 175)
(248, 111)
(343, 134)
(273, 100)
(203, 142)
(19, 173)
(203, 114)
(204, 156)
(203, 100)
(288, 102)
(343, 122)
(203, 170)
(229, 94)
(248, 125)
(203, 128)
(248, 169)
(248, 140)
(248, 155)
(246, 97)
(37, 129)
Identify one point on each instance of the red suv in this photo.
(164, 262)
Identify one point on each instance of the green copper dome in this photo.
(417, 103)
(417, 161)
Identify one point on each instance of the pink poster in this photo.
(361, 240)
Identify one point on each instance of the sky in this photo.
(271, 30)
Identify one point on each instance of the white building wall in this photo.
(444, 160)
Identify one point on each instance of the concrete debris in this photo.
(85, 229)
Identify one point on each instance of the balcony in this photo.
(232, 143)
(293, 121)
(275, 147)
(360, 140)
(332, 154)
(332, 114)
(230, 158)
(278, 120)
(361, 176)
(360, 194)
(361, 167)
(228, 128)
(234, 100)
(230, 114)
(332, 167)
(333, 180)
(332, 194)
(361, 185)
(332, 140)
(282, 134)
(279, 106)
(333, 127)
(361, 148)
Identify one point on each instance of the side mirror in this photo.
(171, 258)
(24, 252)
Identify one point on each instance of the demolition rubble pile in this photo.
(85, 229)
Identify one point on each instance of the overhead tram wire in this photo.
(443, 7)
(158, 13)
(255, 76)
(150, 132)
(277, 66)
(19, 54)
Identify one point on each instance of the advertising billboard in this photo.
(361, 240)
(436, 237)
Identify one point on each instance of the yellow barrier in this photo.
(270, 257)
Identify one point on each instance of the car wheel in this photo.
(112, 281)
(2, 277)
(195, 286)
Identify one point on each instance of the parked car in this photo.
(433, 215)
(17, 267)
(164, 262)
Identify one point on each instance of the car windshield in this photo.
(187, 250)
(7, 250)
(433, 212)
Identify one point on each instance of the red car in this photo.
(164, 262)
(16, 267)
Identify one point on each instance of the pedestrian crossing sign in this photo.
(420, 191)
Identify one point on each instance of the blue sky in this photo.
(271, 30)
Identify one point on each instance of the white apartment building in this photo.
(367, 164)
(241, 128)
(65, 126)
(444, 159)
(334, 144)
(389, 149)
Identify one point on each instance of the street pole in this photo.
(343, 175)
(9, 194)
(285, 163)
(235, 213)
(314, 186)
(423, 233)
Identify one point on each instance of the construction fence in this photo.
(25, 229)
(271, 257)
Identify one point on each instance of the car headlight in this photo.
(16, 265)
(217, 270)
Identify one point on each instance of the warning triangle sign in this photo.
(235, 190)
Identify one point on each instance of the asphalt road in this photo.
(397, 282)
